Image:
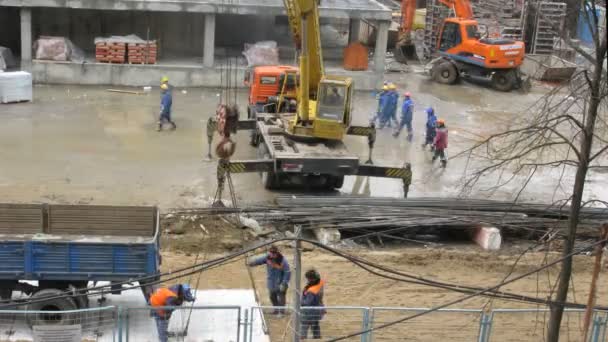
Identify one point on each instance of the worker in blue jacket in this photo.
(394, 103)
(431, 126)
(166, 102)
(164, 300)
(312, 305)
(277, 276)
(407, 115)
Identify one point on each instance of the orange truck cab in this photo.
(269, 85)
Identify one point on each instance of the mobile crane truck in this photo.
(299, 129)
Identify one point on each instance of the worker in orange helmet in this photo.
(168, 296)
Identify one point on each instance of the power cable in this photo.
(462, 299)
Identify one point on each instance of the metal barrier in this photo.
(205, 323)
(531, 325)
(266, 323)
(95, 324)
(329, 322)
(441, 325)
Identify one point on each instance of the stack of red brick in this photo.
(110, 52)
(142, 53)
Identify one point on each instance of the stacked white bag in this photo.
(15, 86)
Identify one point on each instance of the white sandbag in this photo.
(15, 86)
(6, 58)
(57, 49)
(262, 53)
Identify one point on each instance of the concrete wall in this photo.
(143, 75)
(10, 29)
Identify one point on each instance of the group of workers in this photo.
(278, 274)
(436, 134)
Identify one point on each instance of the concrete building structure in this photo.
(195, 36)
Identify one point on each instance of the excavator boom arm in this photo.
(408, 12)
(462, 8)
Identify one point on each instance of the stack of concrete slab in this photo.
(15, 87)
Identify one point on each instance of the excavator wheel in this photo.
(444, 72)
(504, 80)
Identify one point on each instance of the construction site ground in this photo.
(348, 285)
(86, 145)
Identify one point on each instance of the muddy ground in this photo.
(348, 285)
(79, 144)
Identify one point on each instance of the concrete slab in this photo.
(364, 9)
(211, 323)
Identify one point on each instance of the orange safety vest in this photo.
(160, 297)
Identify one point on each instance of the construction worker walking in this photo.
(394, 102)
(407, 115)
(277, 276)
(381, 112)
(441, 142)
(166, 102)
(168, 296)
(431, 126)
(312, 305)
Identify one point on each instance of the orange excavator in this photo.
(462, 51)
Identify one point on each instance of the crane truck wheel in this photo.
(445, 73)
(269, 178)
(504, 80)
(338, 182)
(59, 301)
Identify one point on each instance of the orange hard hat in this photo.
(440, 121)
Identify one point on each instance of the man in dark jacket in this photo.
(277, 275)
(168, 296)
(166, 102)
(312, 297)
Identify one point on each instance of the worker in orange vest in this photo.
(168, 296)
(312, 296)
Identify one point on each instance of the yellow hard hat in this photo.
(164, 86)
(385, 87)
(164, 79)
(392, 86)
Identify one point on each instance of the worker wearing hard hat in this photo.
(407, 115)
(380, 96)
(394, 103)
(441, 142)
(277, 276)
(168, 297)
(431, 126)
(166, 102)
(384, 106)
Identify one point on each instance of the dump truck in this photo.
(56, 251)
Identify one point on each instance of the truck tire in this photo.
(269, 178)
(504, 80)
(63, 302)
(337, 182)
(445, 73)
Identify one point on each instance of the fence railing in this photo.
(266, 323)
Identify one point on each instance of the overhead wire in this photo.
(462, 299)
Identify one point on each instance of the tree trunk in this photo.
(557, 310)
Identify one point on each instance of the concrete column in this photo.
(209, 45)
(381, 42)
(354, 29)
(26, 35)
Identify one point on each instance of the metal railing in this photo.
(267, 323)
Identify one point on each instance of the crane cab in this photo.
(330, 113)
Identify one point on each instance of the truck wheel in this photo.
(445, 73)
(338, 181)
(504, 80)
(62, 303)
(268, 178)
